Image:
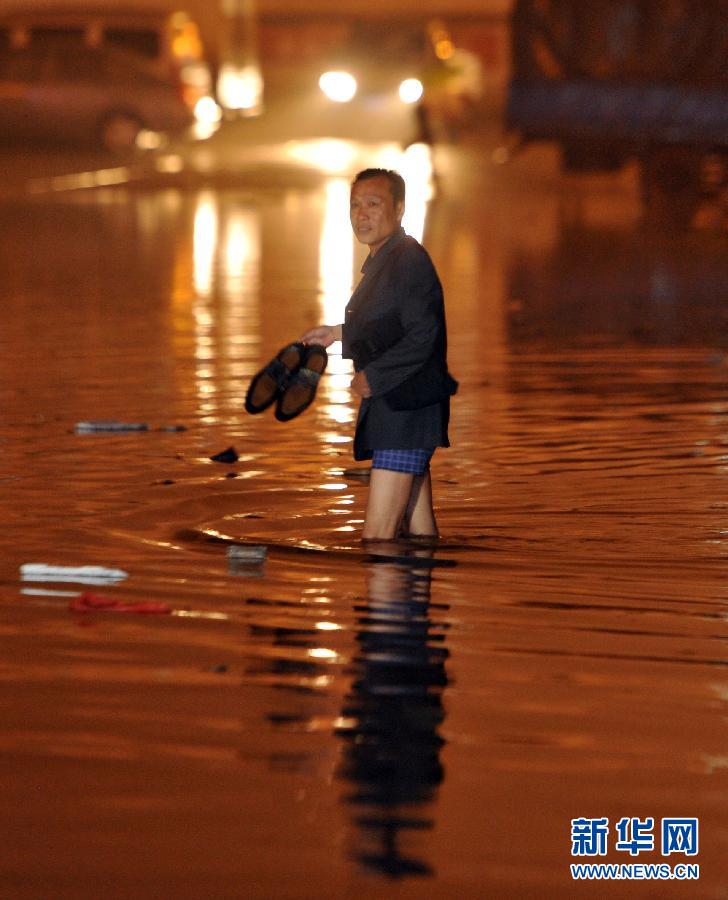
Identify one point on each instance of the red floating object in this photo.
(89, 602)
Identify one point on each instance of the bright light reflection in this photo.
(100, 178)
(240, 287)
(327, 155)
(339, 486)
(344, 722)
(339, 413)
(204, 242)
(336, 252)
(415, 166)
(340, 380)
(199, 614)
(204, 252)
(416, 169)
(322, 653)
(331, 438)
(111, 176)
(336, 264)
(328, 626)
(242, 248)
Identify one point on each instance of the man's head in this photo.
(377, 206)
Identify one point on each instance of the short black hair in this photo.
(396, 182)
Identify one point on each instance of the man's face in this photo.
(374, 215)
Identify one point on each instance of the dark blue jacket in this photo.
(395, 331)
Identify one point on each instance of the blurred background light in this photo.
(240, 88)
(329, 155)
(149, 140)
(410, 90)
(206, 110)
(338, 86)
(444, 49)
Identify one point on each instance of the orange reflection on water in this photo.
(205, 243)
(226, 253)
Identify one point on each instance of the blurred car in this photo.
(169, 42)
(364, 79)
(375, 63)
(341, 81)
(57, 89)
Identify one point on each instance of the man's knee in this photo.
(382, 522)
(388, 497)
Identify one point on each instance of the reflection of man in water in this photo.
(391, 718)
(395, 333)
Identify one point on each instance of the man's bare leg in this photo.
(419, 517)
(389, 494)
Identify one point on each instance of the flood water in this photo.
(329, 723)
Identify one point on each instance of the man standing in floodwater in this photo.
(395, 333)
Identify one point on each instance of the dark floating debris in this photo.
(112, 426)
(226, 456)
(109, 425)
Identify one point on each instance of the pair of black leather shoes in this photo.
(290, 380)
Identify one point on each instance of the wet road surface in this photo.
(328, 722)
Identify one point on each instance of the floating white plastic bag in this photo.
(75, 574)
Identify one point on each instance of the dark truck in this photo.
(614, 80)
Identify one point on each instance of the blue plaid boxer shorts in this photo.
(413, 462)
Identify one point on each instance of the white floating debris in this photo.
(103, 425)
(47, 592)
(75, 574)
